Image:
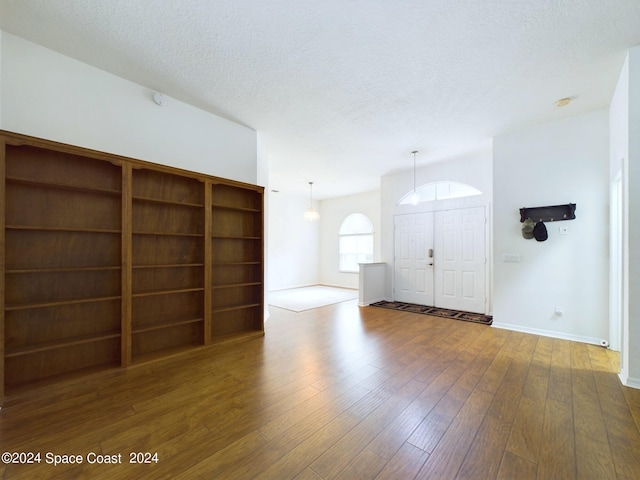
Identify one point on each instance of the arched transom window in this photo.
(356, 242)
(439, 191)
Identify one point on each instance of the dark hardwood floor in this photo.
(343, 392)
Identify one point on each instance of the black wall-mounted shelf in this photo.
(549, 214)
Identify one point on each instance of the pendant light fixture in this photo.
(414, 195)
(311, 215)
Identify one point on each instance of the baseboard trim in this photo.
(631, 382)
(549, 333)
(368, 302)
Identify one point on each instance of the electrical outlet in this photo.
(559, 311)
(511, 257)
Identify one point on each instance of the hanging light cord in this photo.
(414, 170)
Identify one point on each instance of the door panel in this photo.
(413, 271)
(404, 279)
(459, 263)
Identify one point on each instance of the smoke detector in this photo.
(160, 99)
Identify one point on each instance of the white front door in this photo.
(413, 269)
(460, 259)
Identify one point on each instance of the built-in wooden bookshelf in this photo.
(168, 262)
(111, 261)
(236, 264)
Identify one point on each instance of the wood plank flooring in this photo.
(342, 392)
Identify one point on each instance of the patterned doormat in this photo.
(437, 312)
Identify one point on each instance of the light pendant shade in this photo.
(311, 215)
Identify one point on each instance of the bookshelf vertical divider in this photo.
(208, 245)
(2, 266)
(108, 262)
(127, 274)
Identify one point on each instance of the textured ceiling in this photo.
(341, 91)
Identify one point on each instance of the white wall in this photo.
(631, 349)
(634, 213)
(293, 248)
(550, 164)
(474, 170)
(619, 155)
(263, 179)
(334, 211)
(48, 95)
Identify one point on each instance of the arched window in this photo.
(356, 242)
(439, 191)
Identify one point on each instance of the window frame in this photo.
(357, 252)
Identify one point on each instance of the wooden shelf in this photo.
(64, 269)
(63, 209)
(17, 352)
(234, 337)
(171, 188)
(235, 198)
(235, 285)
(167, 249)
(111, 261)
(230, 308)
(230, 264)
(231, 237)
(166, 339)
(166, 325)
(239, 209)
(173, 265)
(169, 352)
(166, 292)
(69, 377)
(64, 186)
(10, 307)
(167, 202)
(61, 363)
(170, 234)
(62, 229)
(237, 320)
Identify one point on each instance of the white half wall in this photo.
(293, 249)
(566, 161)
(48, 95)
(334, 211)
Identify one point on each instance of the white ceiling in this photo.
(341, 91)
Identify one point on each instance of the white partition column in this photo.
(372, 283)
